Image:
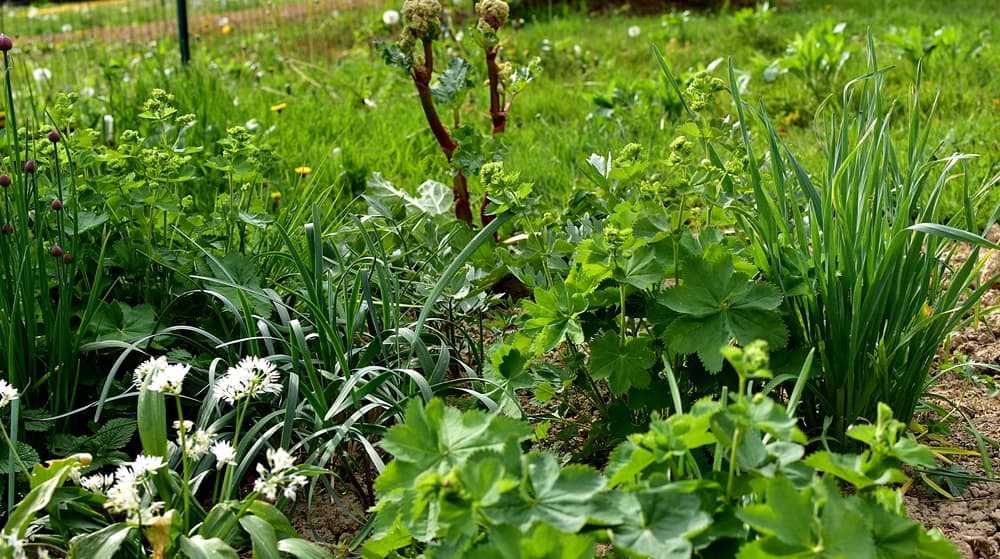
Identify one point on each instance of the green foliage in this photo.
(864, 251)
(726, 479)
(715, 305)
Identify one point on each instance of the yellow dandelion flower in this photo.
(227, 29)
(302, 171)
(279, 107)
(275, 200)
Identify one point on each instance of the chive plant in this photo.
(864, 252)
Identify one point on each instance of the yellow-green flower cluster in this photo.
(423, 19)
(493, 15)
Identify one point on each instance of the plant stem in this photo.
(184, 463)
(498, 114)
(13, 452)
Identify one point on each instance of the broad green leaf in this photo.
(557, 496)
(542, 542)
(627, 462)
(38, 498)
(151, 417)
(844, 530)
(434, 198)
(786, 513)
(717, 305)
(236, 276)
(625, 362)
(703, 336)
(660, 522)
(934, 545)
(86, 221)
(439, 438)
(303, 549)
(453, 83)
(484, 478)
(645, 266)
(197, 547)
(102, 544)
(553, 317)
(220, 522)
(854, 469)
(254, 219)
(591, 265)
(273, 517)
(119, 321)
(265, 541)
(392, 56)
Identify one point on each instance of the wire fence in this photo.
(318, 27)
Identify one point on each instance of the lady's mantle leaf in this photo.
(625, 364)
(440, 438)
(559, 497)
(717, 305)
(659, 521)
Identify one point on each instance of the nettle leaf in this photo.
(453, 83)
(549, 494)
(439, 438)
(553, 317)
(717, 305)
(625, 362)
(114, 434)
(659, 522)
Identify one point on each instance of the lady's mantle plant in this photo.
(728, 478)
(465, 149)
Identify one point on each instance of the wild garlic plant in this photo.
(153, 505)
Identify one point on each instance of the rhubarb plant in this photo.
(465, 148)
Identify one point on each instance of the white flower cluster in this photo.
(196, 442)
(250, 378)
(7, 393)
(225, 454)
(124, 494)
(15, 547)
(128, 490)
(279, 476)
(163, 376)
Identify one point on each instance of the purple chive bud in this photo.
(54, 136)
(29, 166)
(5, 180)
(56, 205)
(56, 251)
(6, 229)
(5, 43)
(68, 258)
